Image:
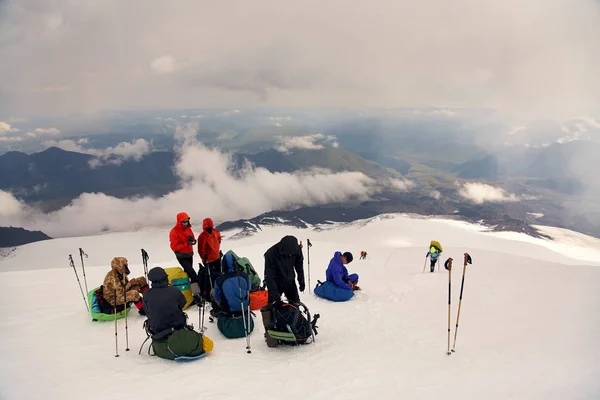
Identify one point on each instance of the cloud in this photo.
(401, 185)
(111, 155)
(209, 187)
(11, 139)
(480, 193)
(309, 142)
(47, 131)
(10, 207)
(5, 128)
(163, 65)
(64, 56)
(435, 194)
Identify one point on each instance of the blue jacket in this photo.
(336, 272)
(433, 252)
(227, 290)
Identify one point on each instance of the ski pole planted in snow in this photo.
(448, 266)
(308, 250)
(246, 325)
(78, 281)
(81, 254)
(467, 261)
(145, 258)
(116, 339)
(125, 311)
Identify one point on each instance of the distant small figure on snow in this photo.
(363, 255)
(435, 250)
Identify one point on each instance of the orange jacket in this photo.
(179, 236)
(209, 244)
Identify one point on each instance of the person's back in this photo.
(227, 287)
(163, 303)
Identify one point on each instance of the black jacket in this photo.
(164, 307)
(280, 262)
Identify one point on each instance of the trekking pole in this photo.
(125, 311)
(425, 265)
(448, 266)
(467, 261)
(308, 250)
(78, 281)
(81, 254)
(246, 326)
(145, 258)
(116, 339)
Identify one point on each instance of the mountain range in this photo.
(545, 178)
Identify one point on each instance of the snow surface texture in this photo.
(528, 329)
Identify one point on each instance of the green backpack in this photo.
(245, 266)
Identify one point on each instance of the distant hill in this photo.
(52, 178)
(58, 175)
(331, 158)
(12, 237)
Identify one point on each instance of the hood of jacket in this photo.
(119, 264)
(288, 246)
(228, 262)
(207, 223)
(158, 277)
(181, 217)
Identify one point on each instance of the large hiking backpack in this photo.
(179, 278)
(291, 324)
(245, 266)
(179, 345)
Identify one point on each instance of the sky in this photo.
(537, 57)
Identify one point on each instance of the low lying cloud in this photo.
(209, 188)
(11, 139)
(5, 128)
(112, 155)
(310, 142)
(480, 193)
(9, 206)
(401, 185)
(435, 194)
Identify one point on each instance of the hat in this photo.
(348, 256)
(288, 245)
(157, 274)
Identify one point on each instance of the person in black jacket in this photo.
(163, 303)
(280, 262)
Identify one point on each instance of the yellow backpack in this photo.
(437, 245)
(178, 278)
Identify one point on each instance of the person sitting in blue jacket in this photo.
(227, 288)
(231, 293)
(338, 273)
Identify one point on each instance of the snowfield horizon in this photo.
(528, 326)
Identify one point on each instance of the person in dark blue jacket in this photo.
(337, 273)
(227, 288)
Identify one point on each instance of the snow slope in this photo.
(529, 324)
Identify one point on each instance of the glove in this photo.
(195, 289)
(191, 240)
(301, 286)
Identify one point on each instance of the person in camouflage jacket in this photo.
(127, 290)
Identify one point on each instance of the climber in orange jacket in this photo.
(209, 250)
(209, 245)
(182, 241)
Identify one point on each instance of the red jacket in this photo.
(179, 236)
(209, 244)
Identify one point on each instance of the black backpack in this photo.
(290, 319)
